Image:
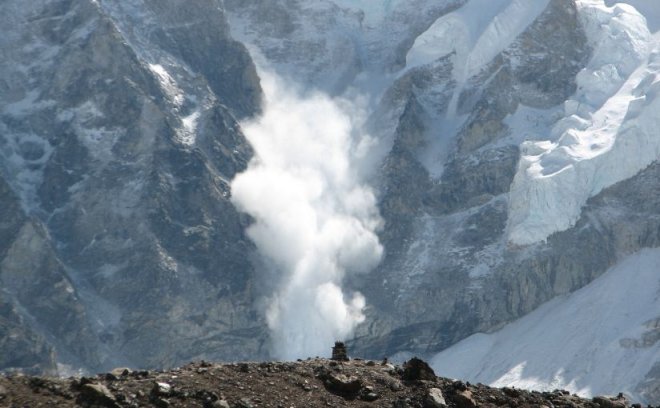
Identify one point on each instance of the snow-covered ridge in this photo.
(477, 32)
(608, 134)
(587, 342)
(649, 8)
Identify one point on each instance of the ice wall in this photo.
(608, 134)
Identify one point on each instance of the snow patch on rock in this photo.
(168, 84)
(189, 132)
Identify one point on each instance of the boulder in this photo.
(611, 402)
(341, 384)
(121, 371)
(161, 389)
(435, 399)
(464, 399)
(97, 394)
(416, 369)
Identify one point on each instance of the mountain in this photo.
(119, 136)
(242, 179)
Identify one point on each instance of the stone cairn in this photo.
(339, 352)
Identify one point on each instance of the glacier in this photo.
(611, 119)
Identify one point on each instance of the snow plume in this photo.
(315, 221)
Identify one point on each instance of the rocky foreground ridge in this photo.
(311, 383)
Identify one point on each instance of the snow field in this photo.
(588, 342)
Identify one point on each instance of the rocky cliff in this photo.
(119, 134)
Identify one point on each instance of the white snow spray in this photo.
(315, 220)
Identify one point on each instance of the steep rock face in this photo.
(446, 258)
(33, 274)
(330, 45)
(39, 303)
(537, 71)
(195, 39)
(22, 346)
(118, 136)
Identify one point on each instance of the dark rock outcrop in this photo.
(118, 138)
(416, 369)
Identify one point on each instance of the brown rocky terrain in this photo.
(311, 383)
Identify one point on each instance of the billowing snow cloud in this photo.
(315, 221)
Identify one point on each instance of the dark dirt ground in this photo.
(309, 383)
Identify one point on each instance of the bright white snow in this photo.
(649, 8)
(583, 342)
(320, 221)
(188, 134)
(168, 84)
(609, 132)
